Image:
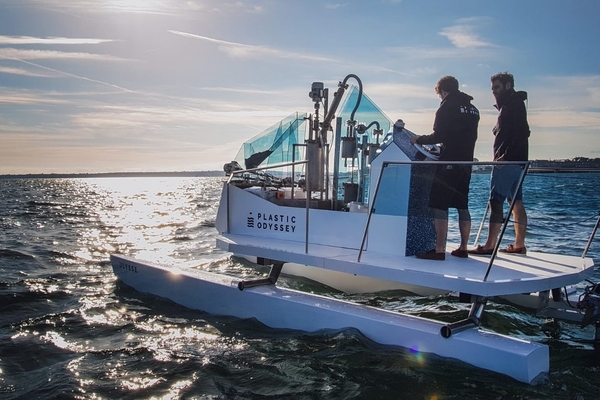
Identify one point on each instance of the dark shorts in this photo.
(450, 187)
(503, 183)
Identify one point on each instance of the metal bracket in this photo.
(270, 280)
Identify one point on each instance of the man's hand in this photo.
(413, 139)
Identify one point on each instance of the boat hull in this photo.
(284, 308)
(350, 283)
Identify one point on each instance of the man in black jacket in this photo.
(455, 128)
(511, 143)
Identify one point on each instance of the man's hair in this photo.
(446, 83)
(504, 78)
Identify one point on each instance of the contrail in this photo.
(74, 76)
(247, 50)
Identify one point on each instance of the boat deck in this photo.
(510, 274)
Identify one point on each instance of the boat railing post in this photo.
(227, 204)
(487, 209)
(589, 243)
(508, 213)
(326, 171)
(308, 196)
(371, 210)
(294, 146)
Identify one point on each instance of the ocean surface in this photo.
(70, 330)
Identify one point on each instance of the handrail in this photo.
(371, 209)
(370, 212)
(505, 224)
(589, 243)
(287, 164)
(264, 168)
(487, 209)
(385, 164)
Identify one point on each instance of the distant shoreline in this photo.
(194, 174)
(117, 175)
(550, 170)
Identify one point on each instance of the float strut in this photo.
(273, 276)
(472, 320)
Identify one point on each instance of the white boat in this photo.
(358, 228)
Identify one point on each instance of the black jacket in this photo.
(512, 130)
(455, 128)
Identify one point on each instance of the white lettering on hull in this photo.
(272, 222)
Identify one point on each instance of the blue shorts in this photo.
(503, 183)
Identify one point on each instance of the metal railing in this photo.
(523, 164)
(372, 201)
(274, 166)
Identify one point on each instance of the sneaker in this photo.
(432, 255)
(460, 253)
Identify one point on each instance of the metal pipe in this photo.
(336, 156)
(287, 164)
(257, 282)
(270, 280)
(487, 209)
(508, 213)
(371, 210)
(472, 321)
(589, 243)
(337, 98)
(448, 330)
(308, 196)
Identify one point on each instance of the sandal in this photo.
(481, 251)
(514, 250)
(460, 253)
(431, 255)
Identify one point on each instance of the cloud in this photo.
(19, 40)
(462, 34)
(155, 7)
(19, 71)
(240, 50)
(24, 97)
(550, 92)
(9, 53)
(425, 53)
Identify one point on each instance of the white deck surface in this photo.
(510, 274)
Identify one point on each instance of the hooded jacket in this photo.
(455, 128)
(511, 142)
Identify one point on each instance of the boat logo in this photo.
(272, 222)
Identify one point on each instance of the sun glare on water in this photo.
(147, 217)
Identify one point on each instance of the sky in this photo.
(178, 85)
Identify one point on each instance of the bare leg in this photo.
(464, 226)
(520, 217)
(465, 232)
(441, 230)
(496, 215)
(493, 232)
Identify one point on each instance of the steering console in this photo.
(430, 151)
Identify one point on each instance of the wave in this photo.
(15, 255)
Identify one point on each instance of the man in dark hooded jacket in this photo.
(511, 143)
(455, 128)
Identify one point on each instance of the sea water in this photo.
(69, 329)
